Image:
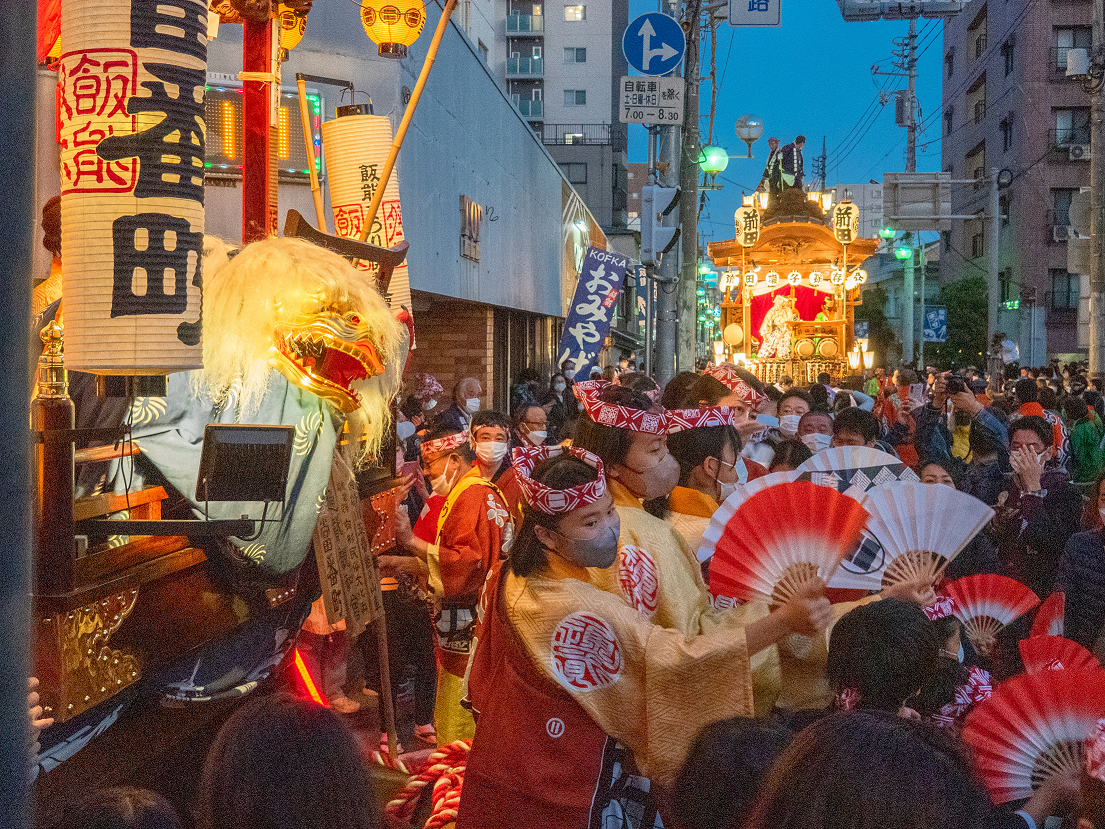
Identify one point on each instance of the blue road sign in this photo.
(654, 43)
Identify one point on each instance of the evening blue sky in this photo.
(812, 76)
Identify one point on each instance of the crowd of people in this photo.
(548, 593)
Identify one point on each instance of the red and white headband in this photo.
(680, 419)
(727, 374)
(445, 444)
(1095, 752)
(943, 607)
(556, 501)
(612, 414)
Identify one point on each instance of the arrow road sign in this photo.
(654, 43)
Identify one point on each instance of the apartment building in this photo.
(560, 63)
(1007, 104)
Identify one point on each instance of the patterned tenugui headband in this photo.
(680, 419)
(612, 414)
(943, 607)
(1095, 752)
(445, 444)
(556, 501)
(727, 374)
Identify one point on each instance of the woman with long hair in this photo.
(590, 674)
(1081, 576)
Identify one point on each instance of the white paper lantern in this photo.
(356, 149)
(751, 278)
(816, 278)
(794, 278)
(131, 124)
(772, 279)
(837, 276)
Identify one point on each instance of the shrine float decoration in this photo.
(791, 279)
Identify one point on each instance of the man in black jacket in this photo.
(792, 162)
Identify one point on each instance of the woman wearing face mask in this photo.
(474, 531)
(561, 406)
(953, 688)
(584, 680)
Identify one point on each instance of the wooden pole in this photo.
(309, 145)
(385, 683)
(400, 134)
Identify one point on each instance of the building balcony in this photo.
(534, 110)
(525, 24)
(593, 134)
(524, 67)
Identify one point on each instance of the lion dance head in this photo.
(292, 306)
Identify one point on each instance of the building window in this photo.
(574, 13)
(1061, 198)
(1071, 37)
(1006, 134)
(1007, 54)
(949, 117)
(949, 63)
(1008, 287)
(1064, 290)
(482, 50)
(1072, 126)
(575, 97)
(575, 173)
(976, 100)
(976, 164)
(980, 111)
(976, 35)
(574, 54)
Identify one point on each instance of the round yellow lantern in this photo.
(393, 24)
(292, 27)
(733, 334)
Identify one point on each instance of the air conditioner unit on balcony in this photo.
(1079, 152)
(1061, 233)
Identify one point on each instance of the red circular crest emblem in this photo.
(637, 575)
(585, 652)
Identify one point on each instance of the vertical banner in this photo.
(356, 148)
(588, 323)
(131, 130)
(639, 281)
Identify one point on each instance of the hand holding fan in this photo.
(921, 528)
(986, 603)
(1049, 618)
(781, 538)
(1054, 653)
(1034, 726)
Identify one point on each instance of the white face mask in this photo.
(491, 451)
(429, 404)
(788, 424)
(559, 387)
(536, 438)
(569, 373)
(404, 429)
(441, 485)
(727, 489)
(472, 405)
(817, 441)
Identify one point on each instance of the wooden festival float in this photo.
(791, 280)
(142, 603)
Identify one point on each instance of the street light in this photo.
(903, 252)
(713, 160)
(749, 128)
(887, 233)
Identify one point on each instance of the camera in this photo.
(955, 384)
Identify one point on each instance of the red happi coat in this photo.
(538, 758)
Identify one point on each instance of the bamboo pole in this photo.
(316, 191)
(400, 134)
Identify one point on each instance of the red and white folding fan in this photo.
(986, 603)
(848, 457)
(781, 538)
(726, 511)
(1054, 653)
(1033, 726)
(919, 527)
(1049, 618)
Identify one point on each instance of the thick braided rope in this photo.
(448, 761)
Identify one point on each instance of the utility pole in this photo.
(668, 170)
(821, 167)
(1097, 201)
(993, 274)
(910, 167)
(687, 299)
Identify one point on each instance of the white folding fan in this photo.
(918, 528)
(855, 469)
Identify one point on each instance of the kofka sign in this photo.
(588, 322)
